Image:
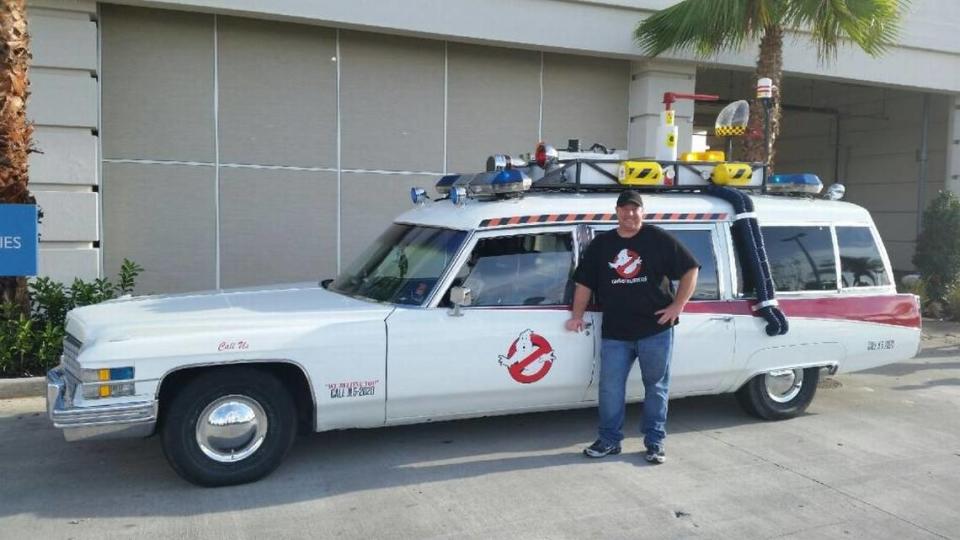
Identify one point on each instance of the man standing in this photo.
(627, 268)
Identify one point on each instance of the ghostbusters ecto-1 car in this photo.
(457, 310)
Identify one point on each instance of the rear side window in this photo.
(801, 259)
(860, 261)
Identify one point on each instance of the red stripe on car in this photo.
(893, 309)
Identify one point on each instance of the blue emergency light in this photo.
(443, 185)
(794, 183)
(458, 195)
(418, 195)
(491, 183)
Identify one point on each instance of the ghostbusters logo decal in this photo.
(627, 264)
(529, 357)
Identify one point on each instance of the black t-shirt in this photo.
(630, 278)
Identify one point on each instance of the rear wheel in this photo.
(229, 426)
(779, 394)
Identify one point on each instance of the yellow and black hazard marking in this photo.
(730, 131)
(732, 174)
(580, 218)
(640, 173)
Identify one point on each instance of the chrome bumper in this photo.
(119, 420)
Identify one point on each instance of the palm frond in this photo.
(706, 27)
(871, 24)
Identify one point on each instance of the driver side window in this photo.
(520, 270)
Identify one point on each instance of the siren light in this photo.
(835, 192)
(418, 195)
(544, 154)
(458, 195)
(794, 183)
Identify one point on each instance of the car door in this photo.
(703, 348)
(507, 351)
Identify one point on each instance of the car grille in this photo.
(71, 350)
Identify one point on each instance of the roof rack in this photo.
(588, 174)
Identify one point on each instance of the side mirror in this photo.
(326, 283)
(460, 297)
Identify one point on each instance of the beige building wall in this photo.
(63, 107)
(253, 152)
(239, 151)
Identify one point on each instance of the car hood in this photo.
(279, 305)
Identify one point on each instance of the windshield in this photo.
(402, 266)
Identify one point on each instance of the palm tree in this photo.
(708, 27)
(15, 131)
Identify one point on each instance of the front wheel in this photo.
(229, 426)
(779, 394)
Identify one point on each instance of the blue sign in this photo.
(18, 240)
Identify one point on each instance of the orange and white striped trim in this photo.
(569, 218)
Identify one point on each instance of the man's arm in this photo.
(581, 297)
(688, 283)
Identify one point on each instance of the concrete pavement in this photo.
(876, 456)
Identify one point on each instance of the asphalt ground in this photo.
(877, 455)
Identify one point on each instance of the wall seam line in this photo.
(216, 146)
(339, 156)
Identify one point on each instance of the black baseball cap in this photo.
(630, 197)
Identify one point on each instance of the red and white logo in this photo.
(627, 264)
(529, 358)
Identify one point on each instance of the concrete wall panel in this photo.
(161, 217)
(157, 84)
(63, 98)
(68, 216)
(585, 98)
(277, 226)
(391, 102)
(278, 93)
(65, 264)
(486, 118)
(62, 39)
(66, 156)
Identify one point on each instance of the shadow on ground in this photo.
(131, 478)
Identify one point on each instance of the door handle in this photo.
(724, 318)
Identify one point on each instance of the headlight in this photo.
(107, 382)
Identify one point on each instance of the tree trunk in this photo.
(15, 131)
(769, 65)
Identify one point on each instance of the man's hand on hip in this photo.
(669, 314)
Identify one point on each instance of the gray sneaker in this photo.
(656, 455)
(601, 449)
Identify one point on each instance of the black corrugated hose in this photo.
(749, 240)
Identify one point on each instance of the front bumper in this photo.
(113, 421)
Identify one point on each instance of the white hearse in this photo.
(457, 310)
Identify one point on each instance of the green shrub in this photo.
(938, 246)
(32, 345)
(952, 301)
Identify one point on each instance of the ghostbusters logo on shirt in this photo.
(627, 264)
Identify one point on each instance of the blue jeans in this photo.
(616, 359)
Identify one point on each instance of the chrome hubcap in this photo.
(783, 384)
(231, 428)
